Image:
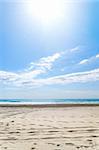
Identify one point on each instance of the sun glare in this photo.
(46, 11)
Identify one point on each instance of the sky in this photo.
(49, 49)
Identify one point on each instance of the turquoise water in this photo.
(50, 101)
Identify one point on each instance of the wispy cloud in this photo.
(71, 50)
(97, 56)
(75, 49)
(22, 80)
(8, 76)
(79, 77)
(29, 77)
(84, 61)
(88, 60)
(43, 65)
(45, 62)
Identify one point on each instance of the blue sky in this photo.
(49, 49)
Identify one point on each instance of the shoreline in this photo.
(48, 105)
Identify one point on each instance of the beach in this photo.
(46, 127)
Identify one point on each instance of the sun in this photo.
(46, 11)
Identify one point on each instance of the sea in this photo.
(49, 101)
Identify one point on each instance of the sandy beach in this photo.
(49, 128)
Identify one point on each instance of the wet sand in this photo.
(49, 128)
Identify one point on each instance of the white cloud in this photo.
(29, 77)
(84, 61)
(97, 56)
(90, 59)
(75, 49)
(22, 80)
(8, 76)
(45, 63)
(79, 77)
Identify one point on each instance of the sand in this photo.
(49, 128)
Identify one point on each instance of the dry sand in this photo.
(49, 128)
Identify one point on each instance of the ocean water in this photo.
(49, 101)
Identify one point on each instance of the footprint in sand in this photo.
(78, 147)
(58, 144)
(71, 131)
(12, 121)
(89, 140)
(7, 124)
(32, 148)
